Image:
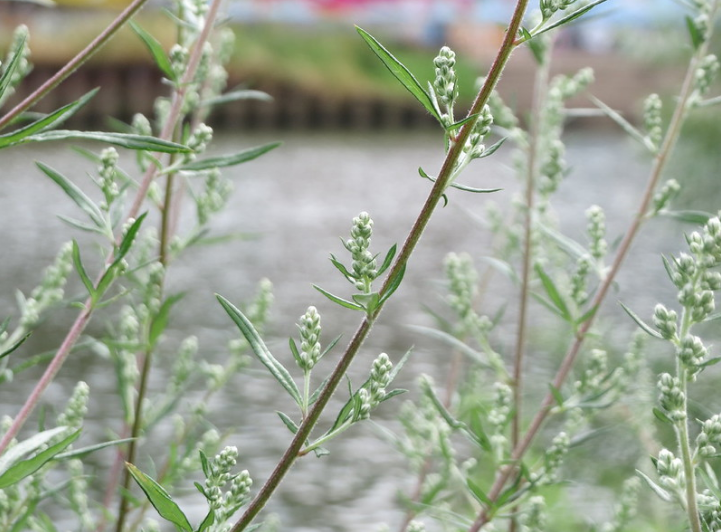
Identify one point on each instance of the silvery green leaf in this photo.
(400, 72)
(160, 499)
(658, 490)
(24, 468)
(241, 94)
(12, 65)
(123, 140)
(55, 118)
(647, 328)
(76, 194)
(32, 444)
(228, 160)
(156, 50)
(261, 351)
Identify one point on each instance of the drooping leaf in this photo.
(75, 194)
(658, 490)
(15, 346)
(693, 31)
(156, 50)
(122, 140)
(661, 416)
(78, 263)
(338, 300)
(30, 445)
(160, 499)
(52, 120)
(400, 72)
(625, 125)
(261, 351)
(229, 160)
(240, 94)
(24, 468)
(647, 328)
(550, 287)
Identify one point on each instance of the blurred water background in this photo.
(290, 207)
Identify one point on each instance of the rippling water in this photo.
(293, 204)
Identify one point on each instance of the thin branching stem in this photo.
(434, 197)
(72, 65)
(659, 164)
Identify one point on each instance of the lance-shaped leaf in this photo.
(229, 160)
(646, 327)
(400, 72)
(160, 499)
(261, 351)
(156, 50)
(75, 194)
(52, 120)
(32, 444)
(240, 94)
(122, 140)
(25, 468)
(570, 17)
(550, 287)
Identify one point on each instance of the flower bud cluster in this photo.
(364, 269)
(199, 140)
(534, 518)
(597, 232)
(579, 280)
(380, 377)
(553, 459)
(670, 471)
(553, 168)
(463, 283)
(445, 84)
(626, 506)
(183, 363)
(214, 197)
(652, 123)
(23, 67)
(77, 407)
(310, 349)
(78, 494)
(259, 309)
(691, 352)
(219, 475)
(50, 290)
(705, 74)
(549, 7)
(672, 398)
(709, 437)
(107, 172)
(595, 374)
(416, 526)
(666, 321)
(178, 56)
(669, 190)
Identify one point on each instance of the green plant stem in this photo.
(439, 187)
(659, 164)
(72, 65)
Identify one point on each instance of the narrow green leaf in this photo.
(394, 284)
(160, 320)
(4, 325)
(696, 36)
(479, 494)
(647, 328)
(658, 490)
(625, 124)
(25, 468)
(21, 523)
(294, 351)
(661, 416)
(710, 362)
(78, 263)
(387, 260)
(229, 160)
(75, 194)
(261, 351)
(369, 302)
(586, 315)
(241, 94)
(32, 444)
(204, 465)
(82, 226)
(288, 422)
(692, 217)
(463, 122)
(466, 188)
(339, 300)
(156, 50)
(12, 65)
(550, 287)
(570, 17)
(557, 395)
(52, 120)
(537, 48)
(84, 451)
(400, 72)
(454, 342)
(341, 268)
(207, 522)
(330, 346)
(159, 498)
(493, 148)
(15, 346)
(128, 238)
(123, 140)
